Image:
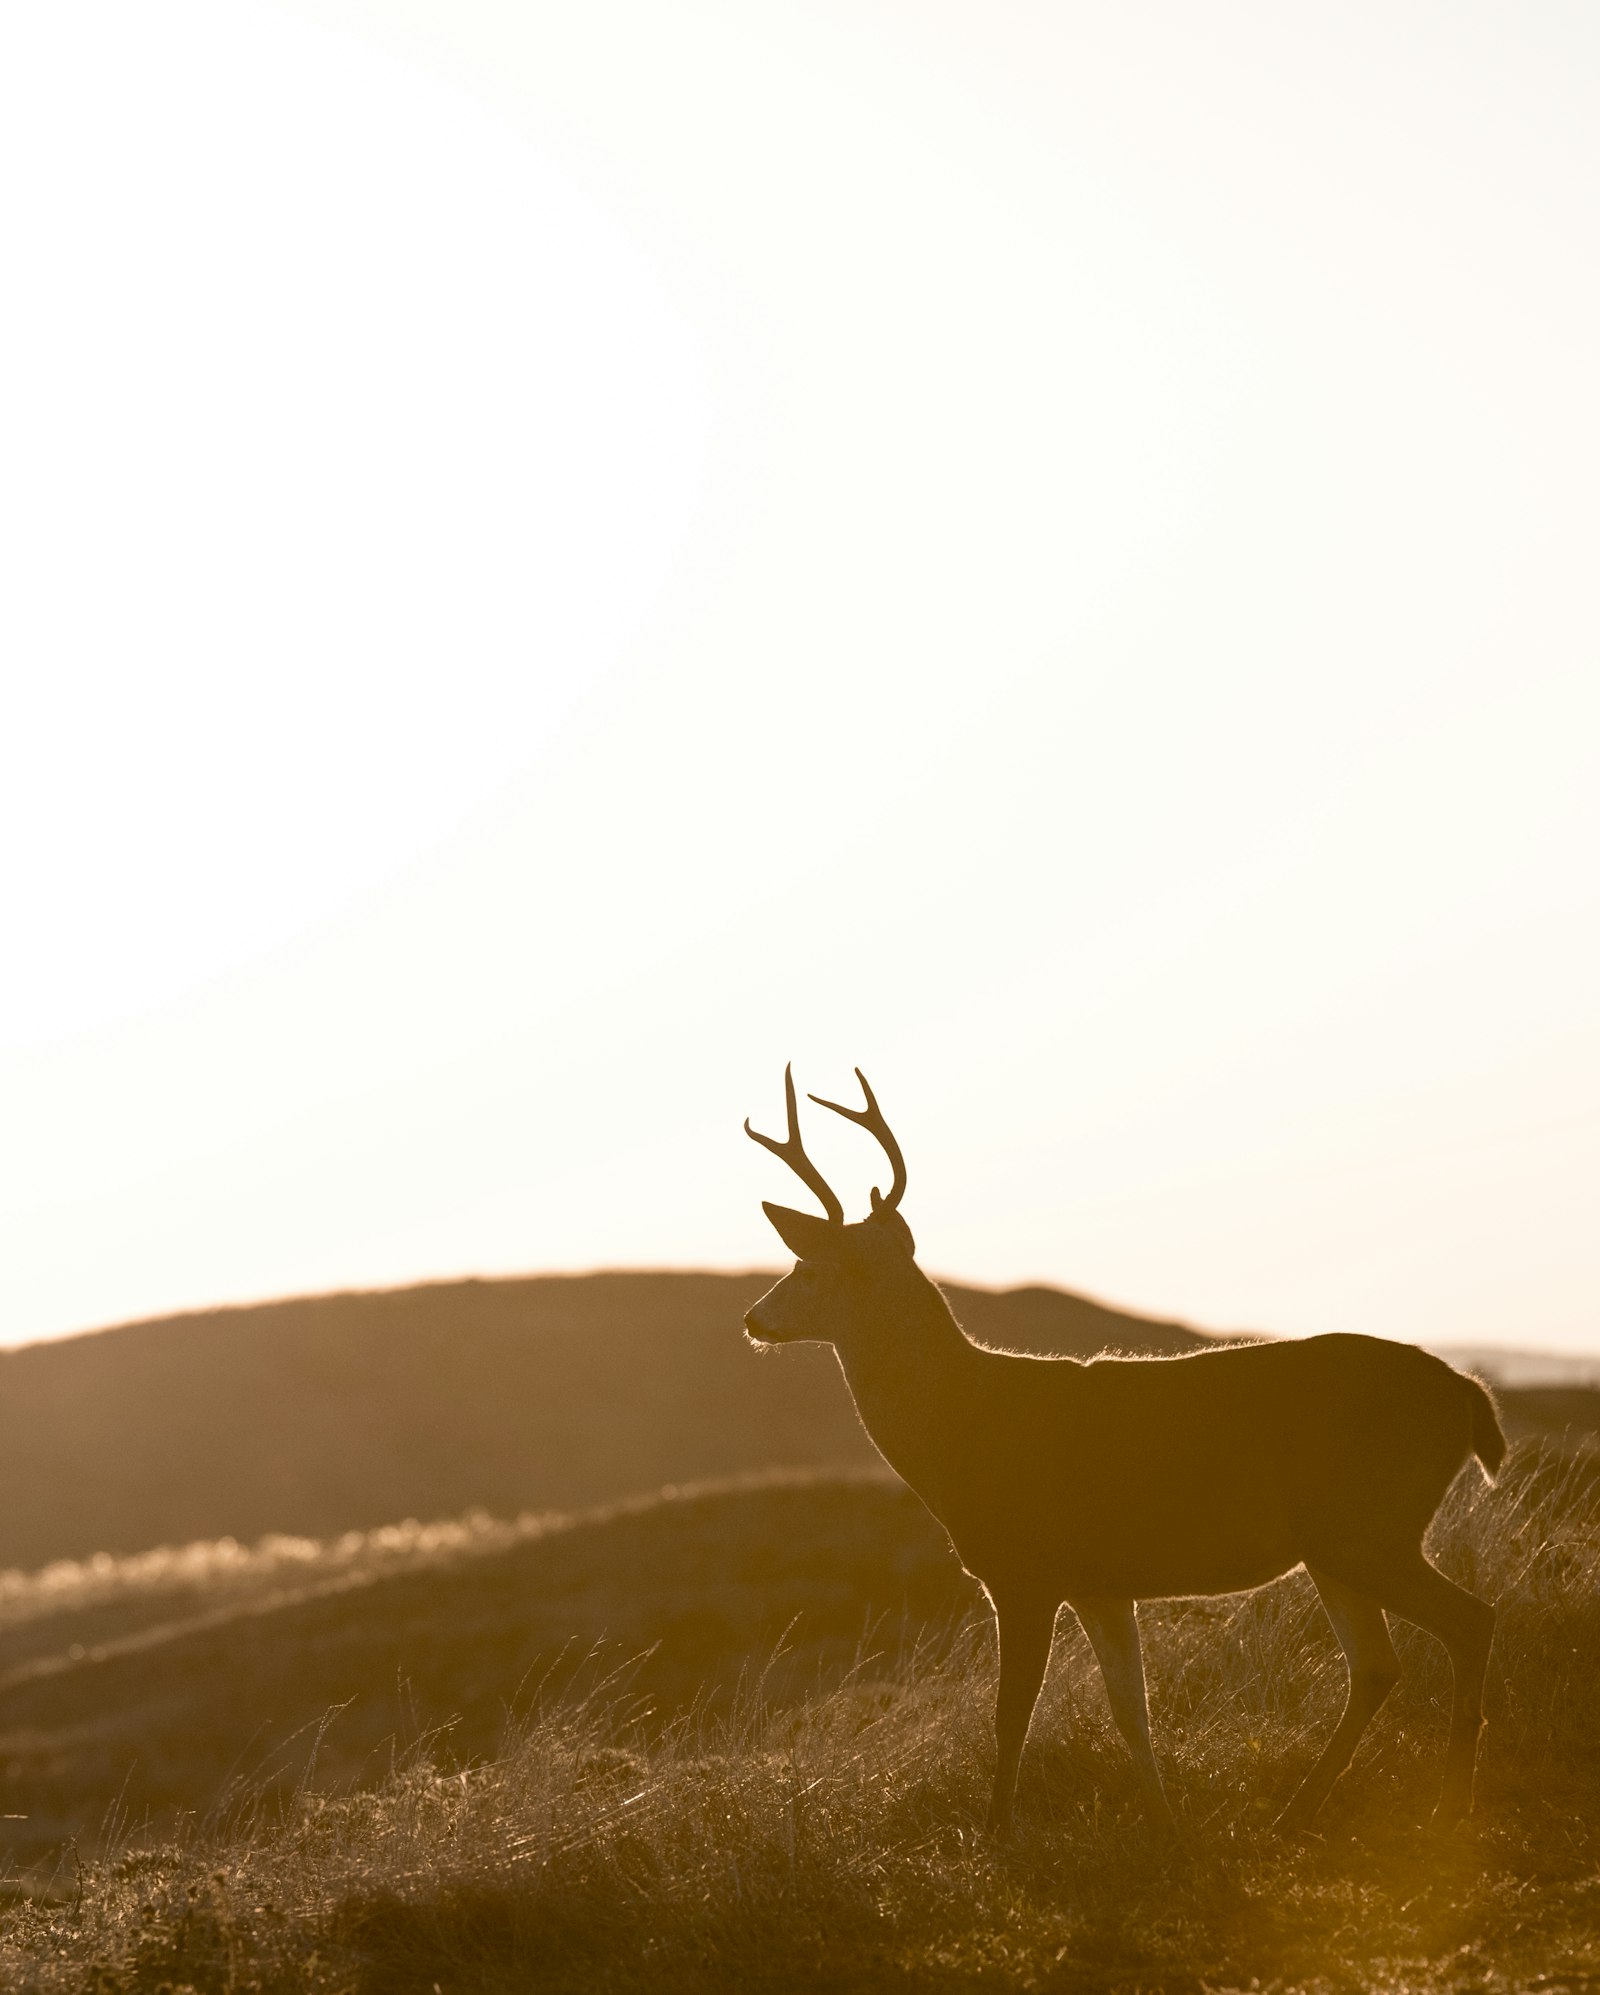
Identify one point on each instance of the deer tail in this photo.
(1488, 1436)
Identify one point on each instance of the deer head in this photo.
(844, 1272)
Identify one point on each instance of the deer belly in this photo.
(1167, 1572)
(1136, 1549)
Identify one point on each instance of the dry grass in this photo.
(834, 1844)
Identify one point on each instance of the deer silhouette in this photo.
(1107, 1482)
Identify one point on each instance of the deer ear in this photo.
(806, 1236)
(891, 1222)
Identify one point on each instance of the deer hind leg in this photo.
(1465, 1624)
(1027, 1626)
(1113, 1630)
(1363, 1634)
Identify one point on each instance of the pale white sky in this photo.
(557, 557)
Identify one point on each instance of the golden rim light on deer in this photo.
(1107, 1482)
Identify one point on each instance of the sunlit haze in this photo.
(561, 557)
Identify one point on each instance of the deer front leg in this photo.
(1026, 1625)
(1113, 1630)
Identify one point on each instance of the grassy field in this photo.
(159, 1679)
(818, 1826)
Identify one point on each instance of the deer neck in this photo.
(911, 1380)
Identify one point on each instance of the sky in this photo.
(561, 557)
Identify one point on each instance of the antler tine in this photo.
(792, 1151)
(871, 1118)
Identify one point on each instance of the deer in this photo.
(1100, 1483)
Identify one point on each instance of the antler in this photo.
(792, 1151)
(871, 1118)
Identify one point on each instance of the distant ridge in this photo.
(1505, 1366)
(345, 1412)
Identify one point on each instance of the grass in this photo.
(834, 1842)
(161, 1687)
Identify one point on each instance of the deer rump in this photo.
(1212, 1472)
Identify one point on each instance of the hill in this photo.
(168, 1680)
(346, 1412)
